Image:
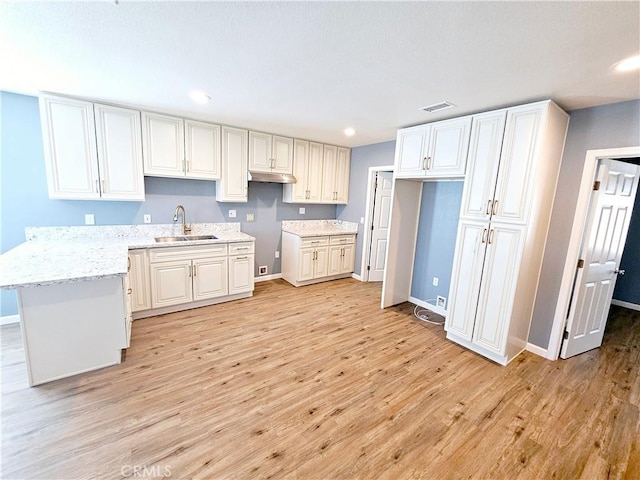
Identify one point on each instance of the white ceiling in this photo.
(311, 69)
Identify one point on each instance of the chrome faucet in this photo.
(186, 229)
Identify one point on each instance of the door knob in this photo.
(617, 271)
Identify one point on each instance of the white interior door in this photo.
(603, 244)
(380, 226)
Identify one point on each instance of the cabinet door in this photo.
(260, 152)
(329, 174)
(499, 278)
(306, 262)
(202, 150)
(128, 311)
(69, 139)
(515, 180)
(163, 145)
(240, 274)
(483, 162)
(171, 283)
(343, 167)
(139, 280)
(297, 192)
(411, 151)
(335, 260)
(209, 278)
(316, 162)
(321, 264)
(282, 155)
(348, 258)
(448, 148)
(119, 141)
(232, 186)
(466, 278)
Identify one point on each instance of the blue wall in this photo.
(376, 155)
(628, 285)
(24, 201)
(437, 229)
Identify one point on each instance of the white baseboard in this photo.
(542, 352)
(356, 276)
(9, 319)
(630, 306)
(433, 308)
(264, 278)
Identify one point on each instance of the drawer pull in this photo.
(241, 258)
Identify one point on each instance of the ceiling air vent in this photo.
(436, 107)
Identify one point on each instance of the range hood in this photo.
(271, 177)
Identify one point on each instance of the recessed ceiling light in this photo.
(349, 132)
(199, 96)
(628, 64)
(436, 107)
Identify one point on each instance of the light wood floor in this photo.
(319, 383)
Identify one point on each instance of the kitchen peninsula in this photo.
(74, 294)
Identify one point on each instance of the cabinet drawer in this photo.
(343, 239)
(240, 247)
(314, 242)
(187, 252)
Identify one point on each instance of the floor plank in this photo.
(319, 383)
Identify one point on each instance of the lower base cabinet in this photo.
(189, 276)
(307, 260)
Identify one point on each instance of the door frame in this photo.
(368, 218)
(575, 240)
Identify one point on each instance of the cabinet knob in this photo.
(617, 271)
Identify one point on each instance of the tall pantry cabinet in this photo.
(513, 164)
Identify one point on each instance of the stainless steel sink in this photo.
(185, 238)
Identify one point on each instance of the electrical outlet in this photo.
(441, 301)
(361, 219)
(89, 219)
(250, 217)
(262, 270)
(301, 210)
(277, 254)
(147, 218)
(232, 214)
(435, 281)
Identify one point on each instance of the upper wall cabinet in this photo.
(270, 153)
(233, 184)
(307, 168)
(436, 150)
(175, 147)
(335, 174)
(91, 156)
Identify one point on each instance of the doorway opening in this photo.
(597, 241)
(376, 223)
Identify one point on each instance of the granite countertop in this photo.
(318, 228)
(70, 254)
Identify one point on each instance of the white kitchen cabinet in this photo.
(270, 153)
(91, 154)
(240, 273)
(202, 150)
(233, 183)
(128, 311)
(307, 260)
(307, 168)
(436, 150)
(139, 282)
(341, 254)
(163, 144)
(504, 221)
(186, 274)
(335, 174)
(180, 148)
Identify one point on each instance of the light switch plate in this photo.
(250, 217)
(89, 219)
(232, 214)
(147, 218)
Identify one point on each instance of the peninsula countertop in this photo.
(319, 228)
(53, 255)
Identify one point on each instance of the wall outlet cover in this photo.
(262, 270)
(277, 254)
(435, 281)
(302, 210)
(89, 219)
(232, 214)
(441, 301)
(147, 218)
